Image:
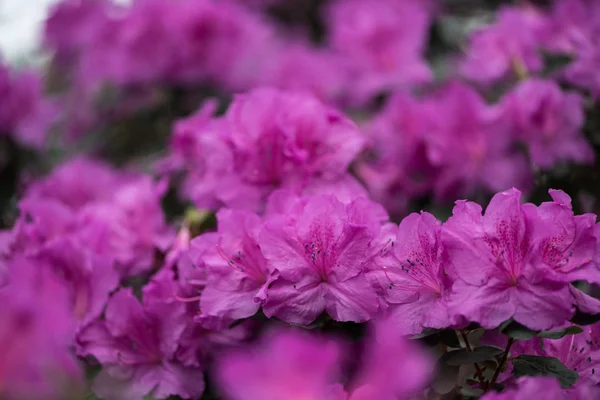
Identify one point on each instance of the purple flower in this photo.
(564, 241)
(318, 250)
(36, 327)
(382, 54)
(284, 364)
(299, 67)
(237, 274)
(549, 121)
(112, 213)
(491, 257)
(395, 168)
(393, 367)
(580, 353)
(530, 388)
(267, 139)
(25, 115)
(136, 345)
(469, 146)
(77, 183)
(409, 271)
(511, 45)
(89, 278)
(577, 27)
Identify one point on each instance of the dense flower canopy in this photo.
(315, 200)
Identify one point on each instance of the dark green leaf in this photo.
(555, 62)
(528, 365)
(581, 318)
(517, 331)
(572, 330)
(446, 378)
(426, 333)
(464, 356)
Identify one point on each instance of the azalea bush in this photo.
(325, 200)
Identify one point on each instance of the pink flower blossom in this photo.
(237, 274)
(266, 140)
(491, 257)
(136, 346)
(509, 46)
(284, 364)
(381, 54)
(36, 328)
(469, 146)
(408, 270)
(549, 121)
(318, 251)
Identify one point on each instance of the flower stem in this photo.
(478, 369)
(502, 362)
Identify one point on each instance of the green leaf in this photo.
(517, 331)
(554, 62)
(464, 356)
(426, 333)
(528, 365)
(581, 318)
(571, 330)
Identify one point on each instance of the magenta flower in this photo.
(78, 182)
(549, 121)
(128, 227)
(25, 114)
(564, 241)
(381, 54)
(298, 66)
(396, 167)
(136, 345)
(115, 214)
(283, 365)
(511, 45)
(492, 258)
(386, 377)
(576, 23)
(36, 328)
(409, 271)
(318, 251)
(580, 353)
(267, 139)
(469, 146)
(89, 278)
(530, 388)
(237, 274)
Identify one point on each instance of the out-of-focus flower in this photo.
(266, 140)
(577, 23)
(549, 121)
(318, 251)
(285, 364)
(25, 115)
(530, 387)
(381, 54)
(393, 367)
(510, 46)
(395, 168)
(136, 345)
(112, 213)
(469, 146)
(36, 328)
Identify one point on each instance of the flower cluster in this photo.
(297, 269)
(25, 115)
(268, 139)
